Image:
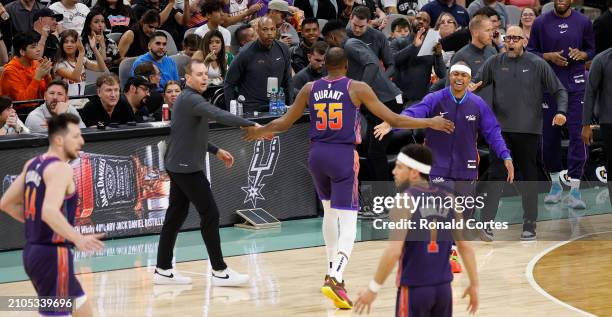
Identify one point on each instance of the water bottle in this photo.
(241, 100)
(272, 106)
(233, 107)
(281, 102)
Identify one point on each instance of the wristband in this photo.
(374, 287)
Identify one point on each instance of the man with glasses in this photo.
(136, 90)
(157, 55)
(520, 115)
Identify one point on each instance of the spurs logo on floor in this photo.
(262, 165)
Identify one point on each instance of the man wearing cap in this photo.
(45, 24)
(157, 55)
(278, 10)
(520, 115)
(135, 91)
(108, 107)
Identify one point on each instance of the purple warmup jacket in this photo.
(551, 33)
(455, 155)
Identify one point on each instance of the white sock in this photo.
(554, 177)
(574, 184)
(348, 232)
(330, 232)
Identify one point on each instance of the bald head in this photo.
(266, 30)
(515, 41)
(515, 30)
(335, 58)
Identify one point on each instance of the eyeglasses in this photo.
(513, 38)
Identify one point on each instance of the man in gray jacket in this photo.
(519, 79)
(185, 164)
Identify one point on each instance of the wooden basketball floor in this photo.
(543, 278)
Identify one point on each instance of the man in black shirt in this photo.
(135, 92)
(108, 107)
(314, 70)
(299, 53)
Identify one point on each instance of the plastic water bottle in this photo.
(241, 101)
(273, 100)
(233, 107)
(281, 108)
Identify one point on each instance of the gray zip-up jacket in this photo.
(518, 90)
(188, 140)
(598, 96)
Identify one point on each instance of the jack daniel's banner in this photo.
(123, 187)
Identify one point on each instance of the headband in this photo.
(461, 68)
(412, 163)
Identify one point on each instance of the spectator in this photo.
(358, 28)
(9, 121)
(245, 34)
(315, 68)
(522, 4)
(157, 56)
(413, 72)
(564, 38)
(4, 57)
(412, 7)
(56, 102)
(213, 9)
(437, 7)
(171, 20)
(446, 25)
(237, 11)
(74, 14)
(324, 9)
(520, 116)
(191, 43)
(399, 28)
(528, 15)
(93, 33)
(212, 52)
(22, 15)
(152, 74)
(45, 24)
(135, 41)
(248, 74)
(72, 63)
(601, 27)
(108, 106)
(499, 7)
(278, 10)
(299, 53)
(119, 15)
(135, 91)
(24, 77)
(171, 91)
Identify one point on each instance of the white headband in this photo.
(461, 68)
(412, 163)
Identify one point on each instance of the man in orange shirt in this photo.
(24, 77)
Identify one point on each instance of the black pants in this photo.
(606, 135)
(524, 149)
(185, 188)
(376, 151)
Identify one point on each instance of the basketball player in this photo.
(424, 276)
(333, 102)
(44, 197)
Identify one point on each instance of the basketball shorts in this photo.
(51, 270)
(424, 301)
(334, 169)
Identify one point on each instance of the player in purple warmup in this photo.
(333, 102)
(44, 197)
(424, 276)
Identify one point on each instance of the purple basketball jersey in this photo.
(333, 116)
(37, 231)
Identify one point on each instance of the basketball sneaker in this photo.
(528, 235)
(454, 261)
(574, 200)
(229, 277)
(486, 235)
(335, 291)
(169, 277)
(554, 195)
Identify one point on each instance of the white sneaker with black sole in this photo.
(486, 235)
(169, 277)
(528, 235)
(228, 277)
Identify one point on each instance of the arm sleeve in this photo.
(439, 67)
(212, 149)
(534, 45)
(491, 131)
(387, 57)
(423, 109)
(204, 108)
(406, 54)
(17, 87)
(554, 86)
(588, 40)
(590, 95)
(485, 74)
(232, 79)
(286, 83)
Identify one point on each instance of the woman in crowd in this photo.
(93, 32)
(534, 4)
(528, 15)
(446, 25)
(135, 41)
(71, 62)
(171, 91)
(120, 18)
(212, 52)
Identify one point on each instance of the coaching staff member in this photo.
(184, 162)
(518, 108)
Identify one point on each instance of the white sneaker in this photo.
(229, 277)
(169, 277)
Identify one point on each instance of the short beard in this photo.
(562, 12)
